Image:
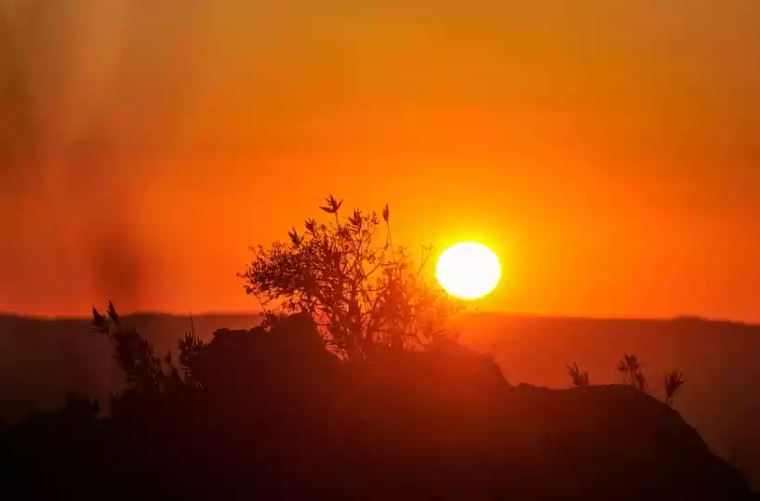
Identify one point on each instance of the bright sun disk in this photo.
(468, 270)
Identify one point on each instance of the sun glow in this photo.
(468, 270)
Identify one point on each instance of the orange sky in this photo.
(608, 150)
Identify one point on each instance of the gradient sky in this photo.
(609, 151)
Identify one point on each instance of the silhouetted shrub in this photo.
(360, 290)
(189, 348)
(580, 379)
(673, 383)
(630, 368)
(144, 370)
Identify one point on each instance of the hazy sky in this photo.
(610, 151)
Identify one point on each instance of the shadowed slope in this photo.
(278, 416)
(40, 360)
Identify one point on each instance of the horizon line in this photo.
(512, 314)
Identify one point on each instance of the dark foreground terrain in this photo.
(719, 361)
(270, 413)
(41, 360)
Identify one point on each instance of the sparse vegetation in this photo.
(673, 383)
(145, 371)
(580, 379)
(362, 292)
(630, 369)
(189, 348)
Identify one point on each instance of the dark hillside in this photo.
(718, 360)
(43, 359)
(40, 360)
(276, 416)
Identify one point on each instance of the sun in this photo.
(468, 270)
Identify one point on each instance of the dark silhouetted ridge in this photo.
(271, 414)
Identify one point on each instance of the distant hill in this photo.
(41, 359)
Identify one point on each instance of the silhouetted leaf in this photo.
(294, 237)
(99, 322)
(112, 313)
(673, 382)
(333, 205)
